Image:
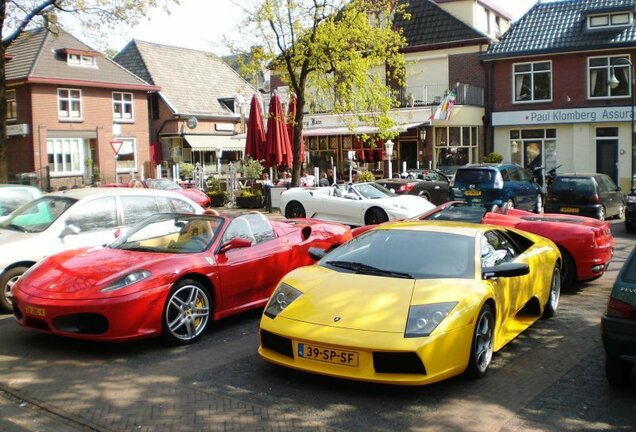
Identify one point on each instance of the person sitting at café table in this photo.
(284, 180)
(307, 180)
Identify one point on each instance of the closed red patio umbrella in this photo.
(255, 139)
(277, 147)
(290, 128)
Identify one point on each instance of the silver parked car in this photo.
(75, 218)
(13, 196)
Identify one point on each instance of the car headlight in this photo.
(282, 297)
(423, 319)
(127, 280)
(631, 199)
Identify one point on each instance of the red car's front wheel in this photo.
(187, 312)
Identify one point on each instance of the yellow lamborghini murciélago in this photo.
(411, 302)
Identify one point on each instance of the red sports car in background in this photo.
(586, 244)
(171, 275)
(194, 194)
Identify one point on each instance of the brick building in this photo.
(68, 108)
(562, 88)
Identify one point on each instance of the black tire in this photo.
(555, 293)
(629, 226)
(187, 312)
(294, 209)
(510, 204)
(374, 216)
(621, 212)
(481, 349)
(424, 195)
(568, 269)
(6, 282)
(617, 371)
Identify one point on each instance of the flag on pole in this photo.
(445, 107)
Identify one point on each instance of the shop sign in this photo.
(559, 116)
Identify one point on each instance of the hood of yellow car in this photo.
(360, 302)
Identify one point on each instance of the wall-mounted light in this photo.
(422, 135)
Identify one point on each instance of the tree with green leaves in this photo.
(97, 17)
(337, 56)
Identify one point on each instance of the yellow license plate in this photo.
(328, 355)
(569, 210)
(472, 193)
(35, 311)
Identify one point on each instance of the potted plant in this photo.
(250, 197)
(214, 191)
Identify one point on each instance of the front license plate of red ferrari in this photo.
(35, 311)
(328, 355)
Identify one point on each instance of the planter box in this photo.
(249, 202)
(217, 200)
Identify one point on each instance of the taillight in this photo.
(620, 309)
(405, 188)
(499, 182)
(551, 198)
(594, 199)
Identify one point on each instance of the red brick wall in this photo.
(97, 113)
(466, 69)
(569, 83)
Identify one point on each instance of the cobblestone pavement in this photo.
(551, 378)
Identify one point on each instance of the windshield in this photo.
(171, 233)
(406, 253)
(38, 215)
(164, 184)
(475, 176)
(460, 213)
(373, 191)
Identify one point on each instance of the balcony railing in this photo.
(415, 96)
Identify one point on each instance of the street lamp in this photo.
(613, 83)
(388, 146)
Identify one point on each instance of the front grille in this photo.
(16, 311)
(36, 324)
(281, 345)
(82, 323)
(398, 362)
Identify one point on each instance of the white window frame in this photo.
(68, 115)
(12, 105)
(81, 60)
(126, 143)
(68, 156)
(624, 66)
(532, 74)
(122, 116)
(611, 20)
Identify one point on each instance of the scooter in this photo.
(549, 175)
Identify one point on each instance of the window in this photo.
(600, 21)
(137, 208)
(122, 106)
(127, 156)
(69, 104)
(96, 215)
(533, 148)
(80, 60)
(602, 69)
(532, 82)
(12, 110)
(65, 155)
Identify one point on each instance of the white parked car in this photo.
(354, 204)
(13, 196)
(75, 218)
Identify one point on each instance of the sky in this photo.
(200, 24)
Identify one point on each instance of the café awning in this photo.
(213, 142)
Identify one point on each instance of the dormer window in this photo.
(609, 20)
(77, 57)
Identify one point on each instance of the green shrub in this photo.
(493, 157)
(366, 176)
(185, 170)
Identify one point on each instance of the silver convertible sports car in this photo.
(355, 204)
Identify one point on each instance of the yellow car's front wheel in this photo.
(483, 341)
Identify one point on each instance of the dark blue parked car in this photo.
(498, 184)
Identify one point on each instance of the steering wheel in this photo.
(195, 243)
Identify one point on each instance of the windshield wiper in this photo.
(367, 269)
(15, 227)
(140, 248)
